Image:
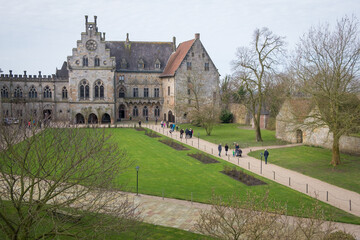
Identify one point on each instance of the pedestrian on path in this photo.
(226, 149)
(181, 133)
(266, 154)
(139, 123)
(220, 148)
(156, 121)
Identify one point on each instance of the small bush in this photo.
(226, 116)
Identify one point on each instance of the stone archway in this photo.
(47, 114)
(299, 136)
(171, 117)
(79, 118)
(105, 118)
(93, 119)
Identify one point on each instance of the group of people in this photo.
(237, 152)
(188, 133)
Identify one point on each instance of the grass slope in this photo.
(315, 162)
(231, 132)
(165, 170)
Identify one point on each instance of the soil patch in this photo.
(173, 144)
(241, 176)
(151, 134)
(203, 158)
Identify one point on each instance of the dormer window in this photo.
(141, 64)
(157, 64)
(123, 63)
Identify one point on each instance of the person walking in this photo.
(191, 132)
(139, 123)
(220, 148)
(226, 149)
(266, 155)
(237, 147)
(156, 121)
(181, 133)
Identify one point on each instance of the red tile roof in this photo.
(176, 58)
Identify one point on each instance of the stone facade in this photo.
(291, 126)
(108, 81)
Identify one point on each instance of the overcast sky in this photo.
(38, 35)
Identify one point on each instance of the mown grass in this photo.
(232, 132)
(168, 172)
(315, 162)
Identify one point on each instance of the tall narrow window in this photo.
(85, 61)
(145, 111)
(135, 111)
(135, 92)
(156, 92)
(32, 92)
(4, 92)
(84, 90)
(47, 92)
(169, 91)
(99, 89)
(146, 92)
(18, 92)
(157, 111)
(97, 62)
(121, 78)
(206, 66)
(121, 93)
(188, 66)
(64, 93)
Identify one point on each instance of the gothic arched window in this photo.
(84, 90)
(135, 111)
(85, 61)
(121, 92)
(64, 93)
(145, 111)
(99, 89)
(157, 111)
(32, 92)
(47, 92)
(4, 92)
(97, 61)
(18, 92)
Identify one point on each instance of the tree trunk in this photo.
(258, 133)
(335, 151)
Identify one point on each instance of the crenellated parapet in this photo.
(31, 78)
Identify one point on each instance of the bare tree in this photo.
(200, 104)
(253, 66)
(327, 64)
(58, 182)
(226, 92)
(258, 217)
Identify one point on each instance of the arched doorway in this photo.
(79, 118)
(122, 111)
(105, 118)
(171, 117)
(299, 136)
(47, 114)
(164, 116)
(92, 119)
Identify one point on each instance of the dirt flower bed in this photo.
(152, 134)
(241, 176)
(173, 144)
(203, 158)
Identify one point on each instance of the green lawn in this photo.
(315, 162)
(165, 170)
(232, 132)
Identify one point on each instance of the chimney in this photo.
(174, 44)
(103, 36)
(197, 35)
(86, 20)
(95, 18)
(127, 37)
(24, 73)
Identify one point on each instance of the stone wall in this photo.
(239, 111)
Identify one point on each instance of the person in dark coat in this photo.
(226, 149)
(186, 133)
(191, 132)
(220, 148)
(139, 123)
(237, 148)
(181, 133)
(266, 155)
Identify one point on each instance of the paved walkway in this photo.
(346, 200)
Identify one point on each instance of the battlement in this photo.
(31, 78)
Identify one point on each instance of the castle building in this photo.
(108, 81)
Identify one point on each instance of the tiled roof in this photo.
(176, 58)
(132, 52)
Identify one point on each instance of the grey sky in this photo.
(38, 35)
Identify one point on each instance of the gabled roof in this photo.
(176, 58)
(132, 52)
